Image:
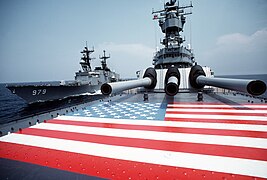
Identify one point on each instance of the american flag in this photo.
(124, 140)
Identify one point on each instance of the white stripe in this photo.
(246, 127)
(212, 116)
(247, 167)
(219, 106)
(155, 135)
(217, 110)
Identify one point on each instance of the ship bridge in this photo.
(171, 21)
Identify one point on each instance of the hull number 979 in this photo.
(36, 92)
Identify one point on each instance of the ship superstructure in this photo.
(87, 82)
(174, 54)
(171, 21)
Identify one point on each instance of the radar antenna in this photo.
(104, 61)
(85, 59)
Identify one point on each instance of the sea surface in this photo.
(13, 107)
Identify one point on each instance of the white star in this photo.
(102, 115)
(153, 113)
(133, 117)
(117, 117)
(144, 115)
(150, 117)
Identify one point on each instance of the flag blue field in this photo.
(125, 110)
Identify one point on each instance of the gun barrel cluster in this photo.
(197, 79)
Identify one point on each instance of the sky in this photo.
(41, 40)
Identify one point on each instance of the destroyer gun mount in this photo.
(198, 80)
(148, 81)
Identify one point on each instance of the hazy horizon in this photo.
(42, 40)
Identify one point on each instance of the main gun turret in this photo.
(175, 68)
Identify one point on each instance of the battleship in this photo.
(87, 82)
(178, 121)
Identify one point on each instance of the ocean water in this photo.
(13, 108)
(10, 105)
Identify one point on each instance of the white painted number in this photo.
(38, 92)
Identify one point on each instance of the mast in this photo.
(85, 59)
(104, 61)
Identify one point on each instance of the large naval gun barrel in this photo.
(148, 81)
(198, 80)
(172, 81)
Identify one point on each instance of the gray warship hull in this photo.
(37, 94)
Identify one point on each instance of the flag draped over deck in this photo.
(149, 140)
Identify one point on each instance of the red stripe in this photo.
(216, 121)
(104, 167)
(209, 103)
(218, 113)
(240, 107)
(222, 107)
(203, 107)
(196, 148)
(208, 131)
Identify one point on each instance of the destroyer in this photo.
(86, 82)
